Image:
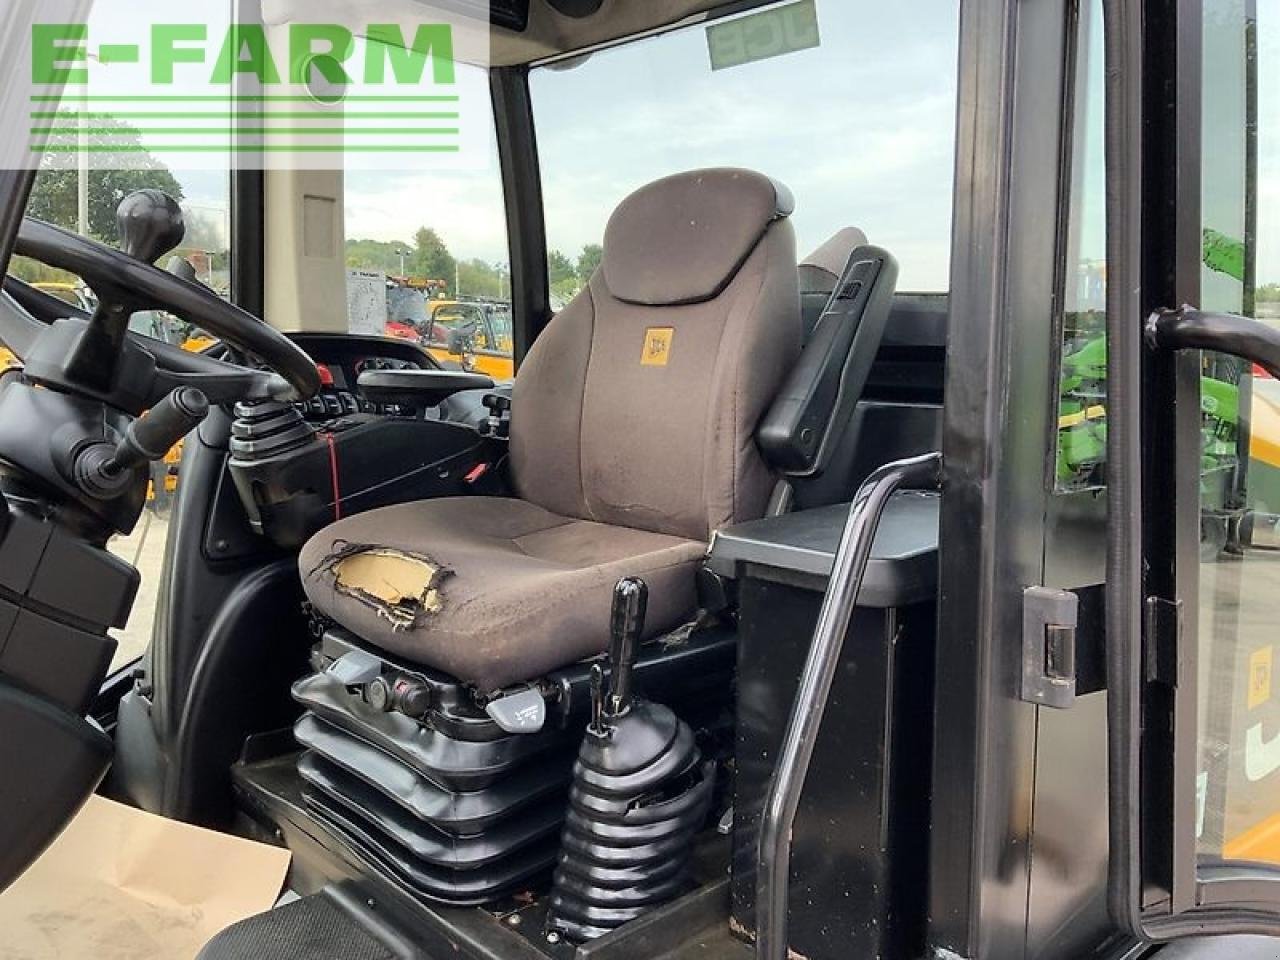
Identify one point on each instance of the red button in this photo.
(476, 472)
(326, 378)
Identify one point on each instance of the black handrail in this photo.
(773, 854)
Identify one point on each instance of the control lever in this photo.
(640, 785)
(499, 407)
(102, 471)
(630, 600)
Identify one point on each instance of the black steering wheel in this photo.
(98, 355)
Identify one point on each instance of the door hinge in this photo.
(1162, 641)
(1049, 646)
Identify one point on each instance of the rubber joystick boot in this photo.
(641, 791)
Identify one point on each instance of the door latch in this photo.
(1049, 620)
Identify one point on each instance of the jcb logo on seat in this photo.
(657, 346)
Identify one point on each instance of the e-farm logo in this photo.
(245, 90)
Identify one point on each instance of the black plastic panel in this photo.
(800, 546)
(858, 844)
(330, 791)
(879, 433)
(450, 763)
(376, 460)
(458, 813)
(376, 847)
(52, 761)
(696, 670)
(54, 659)
(58, 597)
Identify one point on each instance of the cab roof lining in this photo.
(550, 34)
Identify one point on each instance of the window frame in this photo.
(993, 753)
(522, 196)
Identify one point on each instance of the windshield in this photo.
(854, 110)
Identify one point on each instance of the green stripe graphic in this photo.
(228, 98)
(248, 148)
(247, 131)
(248, 115)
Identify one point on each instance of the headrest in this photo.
(681, 239)
(820, 270)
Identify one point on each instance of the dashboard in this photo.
(341, 358)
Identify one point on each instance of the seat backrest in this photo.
(637, 405)
(819, 271)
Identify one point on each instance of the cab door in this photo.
(1193, 618)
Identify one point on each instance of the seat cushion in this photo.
(490, 590)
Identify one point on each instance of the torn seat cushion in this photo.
(491, 590)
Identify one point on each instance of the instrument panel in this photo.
(341, 358)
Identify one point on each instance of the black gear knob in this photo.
(150, 224)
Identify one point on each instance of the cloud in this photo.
(885, 165)
(464, 207)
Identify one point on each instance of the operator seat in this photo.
(632, 440)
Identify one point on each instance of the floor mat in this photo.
(312, 928)
(121, 884)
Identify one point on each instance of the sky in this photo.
(860, 128)
(877, 96)
(1268, 141)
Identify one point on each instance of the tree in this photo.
(55, 194)
(430, 258)
(588, 260)
(558, 267)
(562, 276)
(479, 278)
(380, 256)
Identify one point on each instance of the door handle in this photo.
(1190, 329)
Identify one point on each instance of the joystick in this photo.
(641, 791)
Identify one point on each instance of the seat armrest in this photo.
(419, 389)
(801, 428)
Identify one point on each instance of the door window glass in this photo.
(1238, 787)
(1082, 416)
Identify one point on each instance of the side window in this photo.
(85, 202)
(426, 257)
(1082, 416)
(1238, 709)
(701, 97)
